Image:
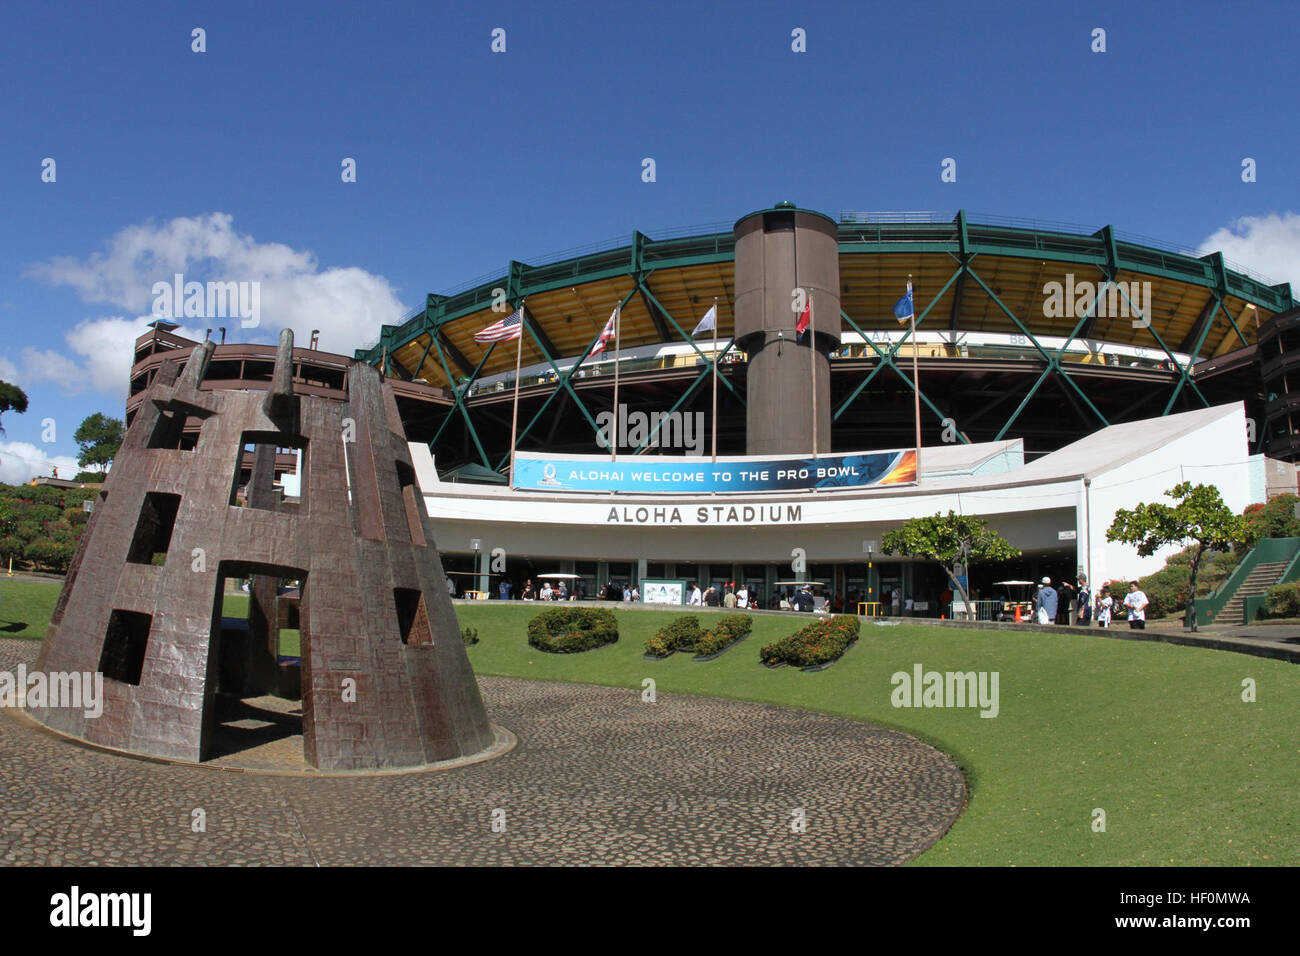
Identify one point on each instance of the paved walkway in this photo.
(598, 777)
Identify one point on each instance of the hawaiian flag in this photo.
(805, 319)
(904, 311)
(511, 327)
(607, 334)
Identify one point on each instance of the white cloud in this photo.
(8, 371)
(21, 462)
(1269, 245)
(347, 304)
(38, 366)
(106, 349)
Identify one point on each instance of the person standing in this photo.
(1063, 598)
(1084, 603)
(802, 600)
(505, 590)
(451, 586)
(695, 598)
(1045, 602)
(729, 600)
(1104, 604)
(742, 597)
(1136, 602)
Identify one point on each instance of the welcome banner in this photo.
(692, 475)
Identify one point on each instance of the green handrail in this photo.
(1266, 551)
(1253, 605)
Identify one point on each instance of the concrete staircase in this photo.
(1263, 577)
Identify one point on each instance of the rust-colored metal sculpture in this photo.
(384, 676)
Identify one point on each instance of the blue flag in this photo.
(903, 309)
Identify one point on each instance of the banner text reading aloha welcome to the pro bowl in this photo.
(683, 475)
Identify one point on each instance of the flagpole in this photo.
(916, 380)
(715, 376)
(514, 411)
(614, 429)
(812, 363)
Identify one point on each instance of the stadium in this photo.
(1048, 356)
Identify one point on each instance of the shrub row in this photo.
(818, 643)
(680, 634)
(1283, 600)
(569, 630)
(725, 632)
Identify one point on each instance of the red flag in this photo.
(805, 318)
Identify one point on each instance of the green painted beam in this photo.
(959, 238)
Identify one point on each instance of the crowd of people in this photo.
(730, 596)
(1053, 606)
(1070, 603)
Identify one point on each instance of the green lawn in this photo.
(1156, 735)
(26, 606)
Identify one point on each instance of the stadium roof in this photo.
(969, 276)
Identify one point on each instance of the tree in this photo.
(1275, 518)
(1200, 519)
(953, 540)
(11, 397)
(99, 437)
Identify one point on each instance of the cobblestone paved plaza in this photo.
(598, 777)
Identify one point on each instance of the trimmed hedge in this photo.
(679, 634)
(818, 643)
(570, 630)
(723, 634)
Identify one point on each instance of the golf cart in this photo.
(1017, 601)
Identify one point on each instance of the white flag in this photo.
(710, 321)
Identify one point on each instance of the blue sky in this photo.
(225, 164)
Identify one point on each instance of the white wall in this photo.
(1216, 454)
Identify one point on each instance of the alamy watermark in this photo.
(208, 300)
(78, 690)
(1109, 300)
(127, 910)
(923, 688)
(656, 429)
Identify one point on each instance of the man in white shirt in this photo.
(696, 598)
(1136, 602)
(742, 597)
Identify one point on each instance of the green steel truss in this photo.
(963, 241)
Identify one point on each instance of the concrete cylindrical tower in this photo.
(780, 250)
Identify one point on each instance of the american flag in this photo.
(511, 327)
(607, 334)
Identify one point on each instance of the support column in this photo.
(779, 251)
